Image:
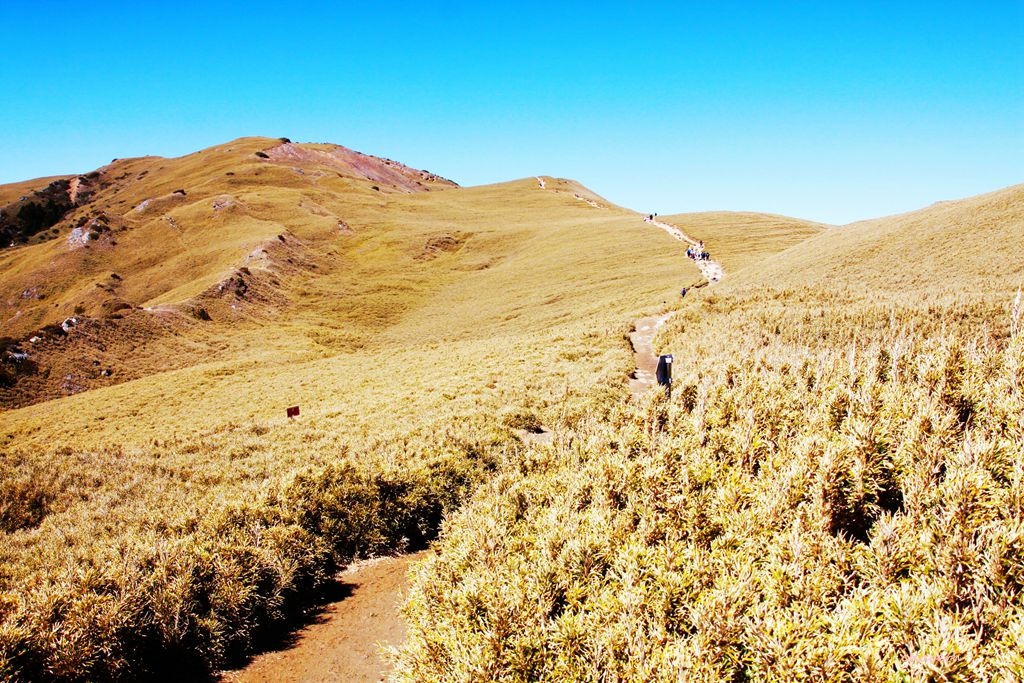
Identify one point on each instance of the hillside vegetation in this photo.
(833, 492)
(163, 245)
(162, 515)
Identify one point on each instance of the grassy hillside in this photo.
(161, 511)
(833, 491)
(166, 244)
(739, 239)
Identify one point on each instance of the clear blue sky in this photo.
(823, 110)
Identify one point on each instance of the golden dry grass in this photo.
(413, 365)
(833, 492)
(738, 239)
(169, 515)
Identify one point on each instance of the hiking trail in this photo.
(543, 184)
(646, 360)
(645, 329)
(711, 270)
(344, 642)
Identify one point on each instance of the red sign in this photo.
(293, 411)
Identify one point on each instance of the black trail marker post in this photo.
(293, 412)
(664, 373)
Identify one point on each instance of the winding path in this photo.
(711, 270)
(345, 642)
(644, 329)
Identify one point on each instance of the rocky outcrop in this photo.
(385, 172)
(40, 210)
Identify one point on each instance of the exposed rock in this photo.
(440, 244)
(78, 238)
(382, 172)
(223, 202)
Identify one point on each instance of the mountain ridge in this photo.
(162, 247)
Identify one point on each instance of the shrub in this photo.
(206, 592)
(522, 419)
(24, 502)
(861, 526)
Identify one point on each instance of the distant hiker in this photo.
(683, 292)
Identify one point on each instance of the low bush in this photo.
(25, 499)
(799, 515)
(522, 419)
(197, 596)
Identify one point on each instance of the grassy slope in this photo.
(410, 363)
(536, 266)
(167, 246)
(833, 492)
(969, 246)
(739, 239)
(870, 276)
(173, 252)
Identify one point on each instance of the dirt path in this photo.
(344, 642)
(642, 340)
(711, 270)
(644, 329)
(577, 195)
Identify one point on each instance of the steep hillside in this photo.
(33, 212)
(161, 257)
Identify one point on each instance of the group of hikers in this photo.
(697, 252)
